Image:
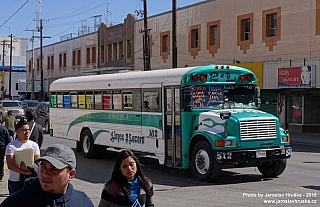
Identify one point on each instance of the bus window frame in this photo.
(120, 93)
(55, 104)
(127, 108)
(66, 94)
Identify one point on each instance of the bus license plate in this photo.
(261, 153)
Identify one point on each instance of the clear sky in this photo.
(64, 16)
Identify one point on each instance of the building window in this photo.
(271, 25)
(88, 55)
(114, 52)
(60, 60)
(64, 60)
(128, 49)
(79, 58)
(52, 62)
(38, 64)
(120, 50)
(109, 52)
(165, 43)
(194, 38)
(93, 55)
(102, 54)
(30, 66)
(245, 29)
(74, 58)
(48, 63)
(214, 35)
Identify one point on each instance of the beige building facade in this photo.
(282, 34)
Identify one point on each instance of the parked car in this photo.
(29, 104)
(14, 106)
(42, 115)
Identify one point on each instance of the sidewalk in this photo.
(306, 138)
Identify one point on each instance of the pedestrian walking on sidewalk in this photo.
(4, 141)
(36, 131)
(128, 186)
(22, 142)
(9, 121)
(52, 187)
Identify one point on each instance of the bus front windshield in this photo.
(223, 96)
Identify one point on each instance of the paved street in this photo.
(238, 187)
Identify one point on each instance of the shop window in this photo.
(295, 109)
(312, 116)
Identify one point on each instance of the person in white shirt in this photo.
(22, 142)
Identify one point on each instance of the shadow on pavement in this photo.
(312, 187)
(302, 147)
(100, 170)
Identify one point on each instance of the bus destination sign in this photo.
(207, 96)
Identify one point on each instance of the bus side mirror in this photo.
(187, 98)
(258, 101)
(258, 92)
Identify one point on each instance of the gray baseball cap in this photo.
(60, 156)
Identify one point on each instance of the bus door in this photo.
(172, 127)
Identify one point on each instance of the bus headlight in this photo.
(285, 139)
(230, 142)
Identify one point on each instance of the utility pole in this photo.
(3, 92)
(146, 40)
(10, 73)
(32, 66)
(174, 34)
(41, 62)
(41, 58)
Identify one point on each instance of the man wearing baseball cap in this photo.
(52, 187)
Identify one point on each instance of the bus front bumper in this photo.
(253, 155)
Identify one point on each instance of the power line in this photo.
(14, 13)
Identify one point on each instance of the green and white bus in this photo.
(204, 118)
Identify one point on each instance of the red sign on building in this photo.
(290, 76)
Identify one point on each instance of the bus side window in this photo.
(151, 100)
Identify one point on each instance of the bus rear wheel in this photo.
(203, 163)
(273, 168)
(89, 149)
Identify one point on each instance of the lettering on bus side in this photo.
(126, 138)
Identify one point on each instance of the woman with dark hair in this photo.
(128, 186)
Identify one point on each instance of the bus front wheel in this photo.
(89, 149)
(273, 168)
(203, 163)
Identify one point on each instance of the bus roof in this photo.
(148, 79)
(120, 80)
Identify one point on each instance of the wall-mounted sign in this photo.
(297, 77)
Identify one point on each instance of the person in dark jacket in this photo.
(128, 186)
(52, 187)
(36, 131)
(4, 141)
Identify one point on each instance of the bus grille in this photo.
(257, 129)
